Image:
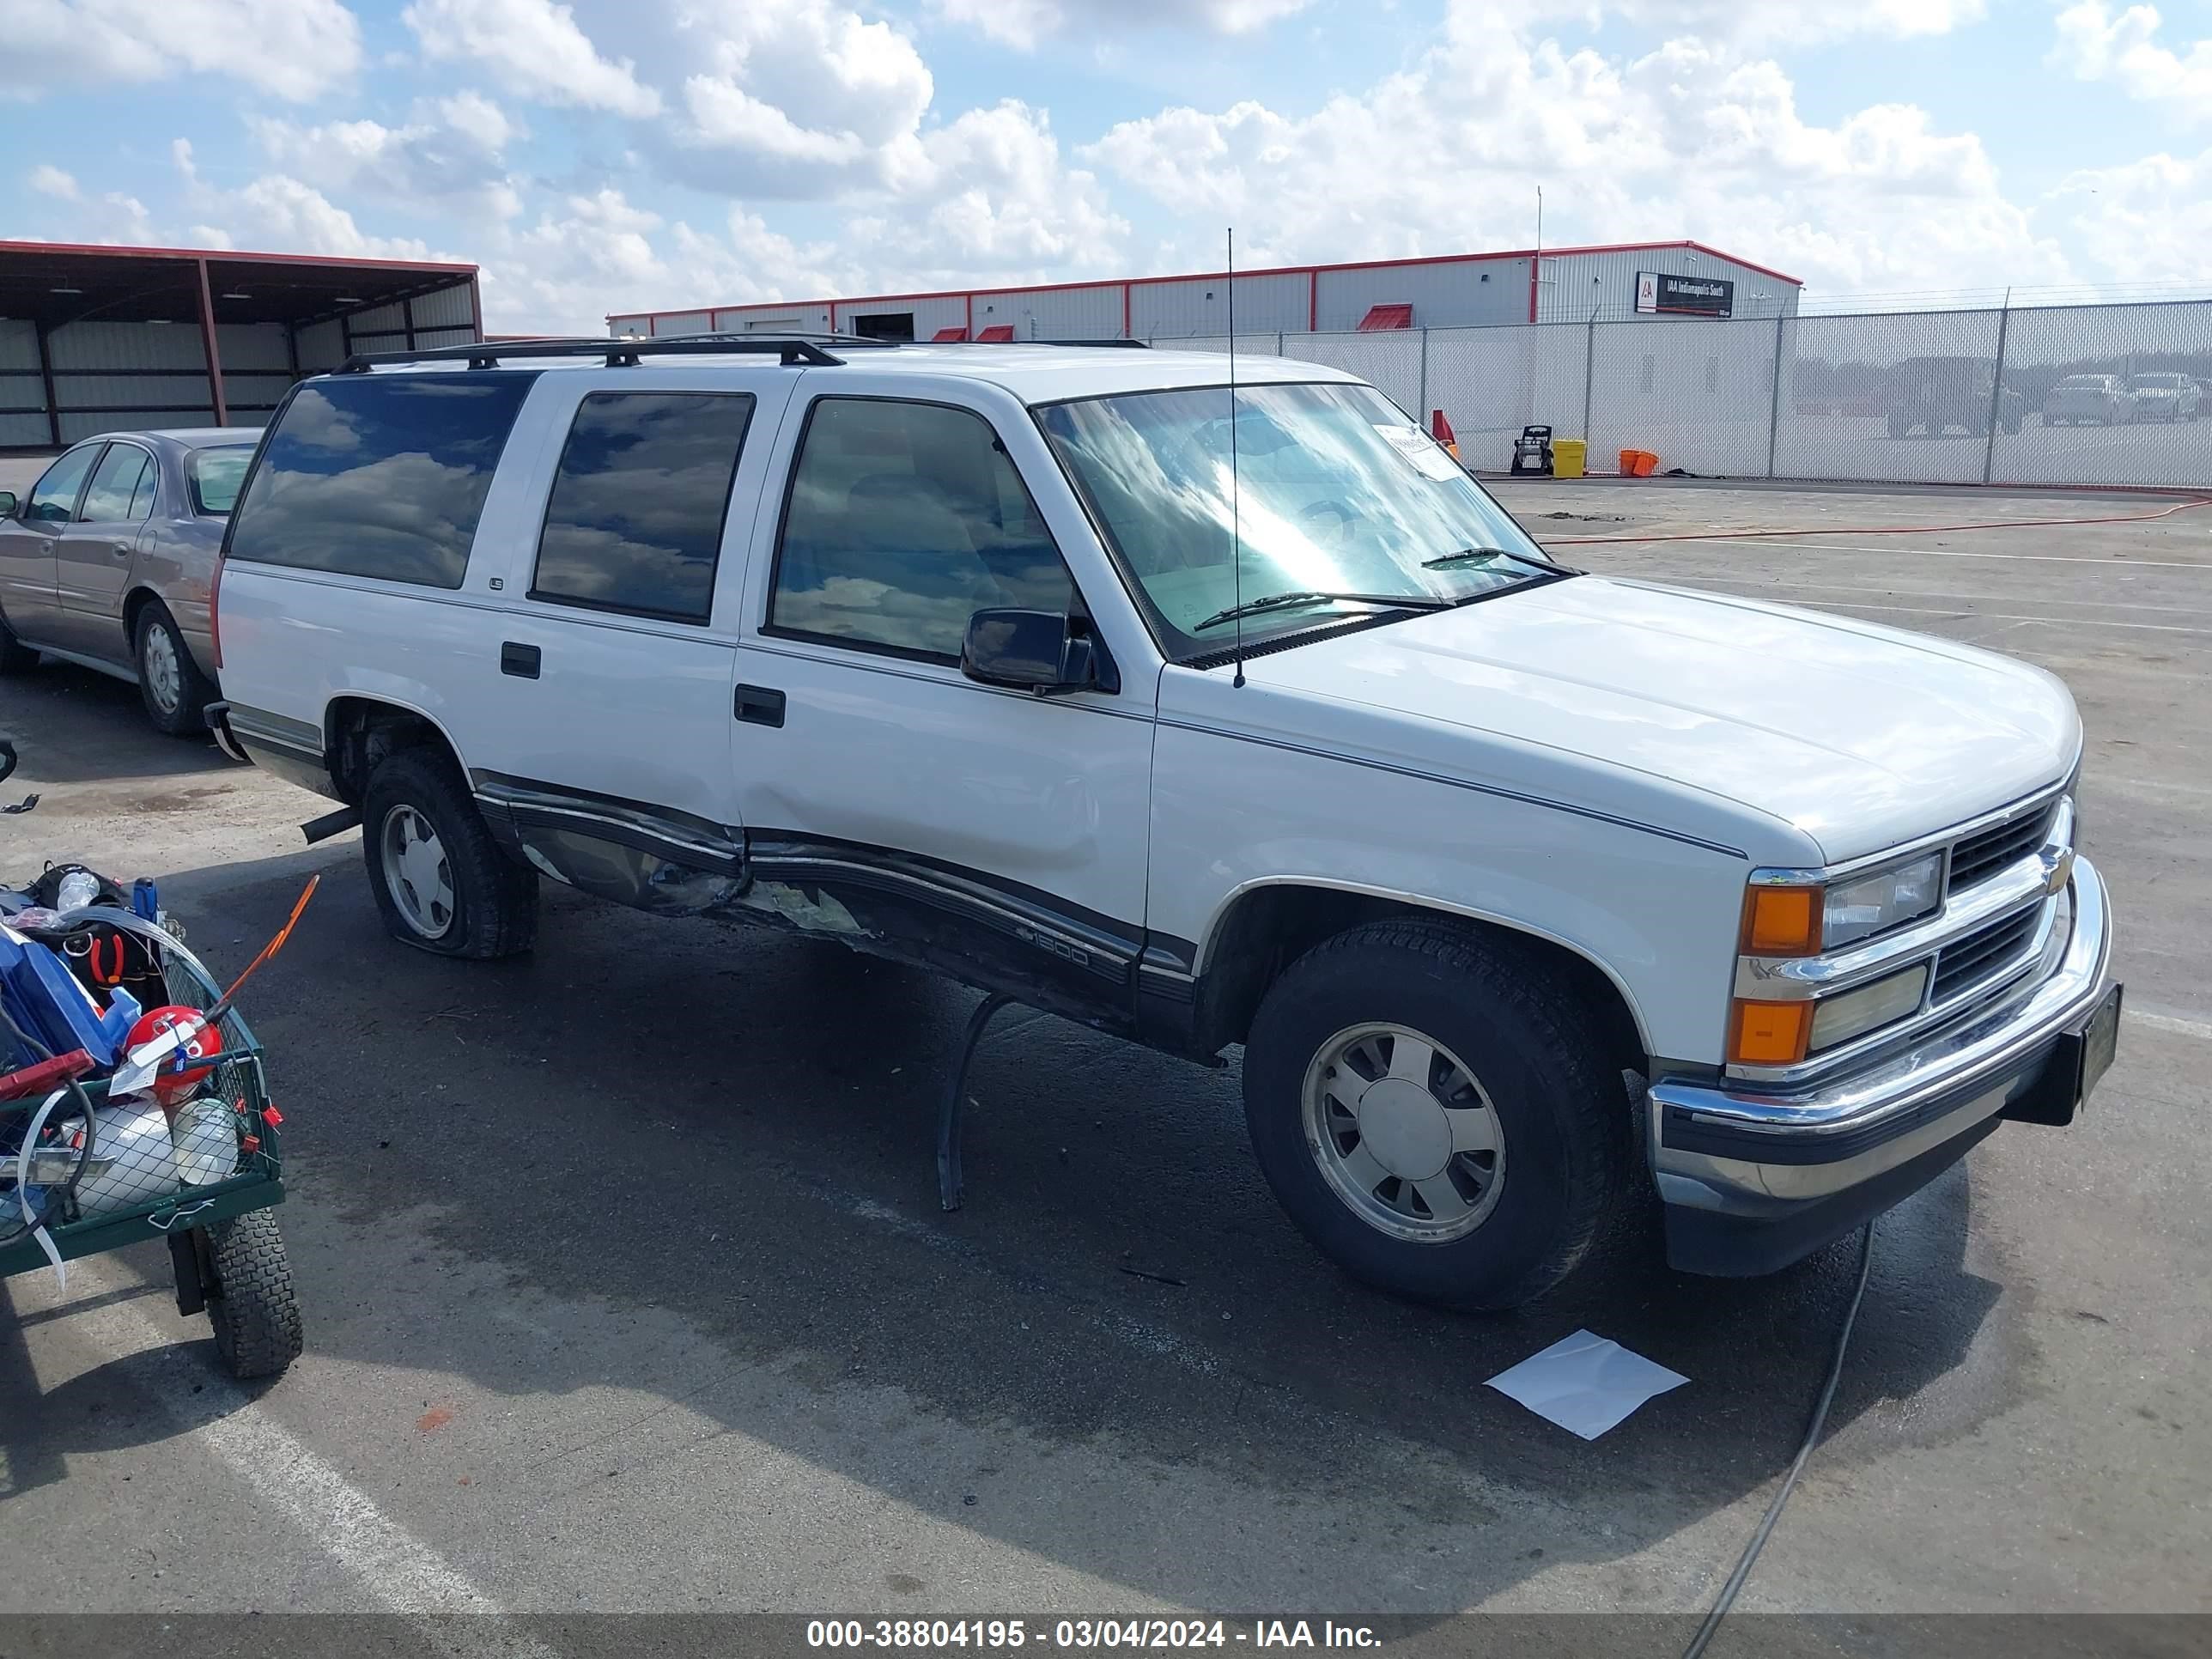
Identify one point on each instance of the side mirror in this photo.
(1044, 652)
(7, 503)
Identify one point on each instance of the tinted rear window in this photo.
(379, 475)
(635, 521)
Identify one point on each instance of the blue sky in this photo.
(603, 155)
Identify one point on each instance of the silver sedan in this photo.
(108, 561)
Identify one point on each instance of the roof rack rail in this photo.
(620, 353)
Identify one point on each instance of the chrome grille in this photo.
(1983, 954)
(1988, 851)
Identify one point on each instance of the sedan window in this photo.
(216, 475)
(116, 483)
(53, 498)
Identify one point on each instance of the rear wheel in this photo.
(170, 682)
(1435, 1119)
(440, 880)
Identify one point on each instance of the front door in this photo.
(93, 556)
(994, 833)
(28, 539)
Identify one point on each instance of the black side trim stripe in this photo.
(277, 731)
(672, 836)
(1458, 783)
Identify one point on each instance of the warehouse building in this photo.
(98, 339)
(1571, 284)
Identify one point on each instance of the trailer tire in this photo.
(253, 1305)
(466, 898)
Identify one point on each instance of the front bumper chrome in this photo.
(1731, 1150)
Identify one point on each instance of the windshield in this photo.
(1335, 492)
(2157, 383)
(216, 474)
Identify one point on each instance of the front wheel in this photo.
(1435, 1118)
(16, 656)
(170, 682)
(440, 881)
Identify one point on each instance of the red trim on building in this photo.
(998, 334)
(1313, 273)
(951, 335)
(968, 327)
(1380, 318)
(1312, 300)
(1126, 312)
(1535, 266)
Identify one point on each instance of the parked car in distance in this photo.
(2080, 399)
(108, 560)
(2164, 397)
(1937, 393)
(1204, 718)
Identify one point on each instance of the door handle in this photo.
(122, 549)
(759, 706)
(519, 660)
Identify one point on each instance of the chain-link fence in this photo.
(2118, 394)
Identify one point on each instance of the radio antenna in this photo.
(1236, 522)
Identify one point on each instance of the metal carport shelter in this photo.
(94, 339)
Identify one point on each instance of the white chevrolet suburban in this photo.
(1207, 716)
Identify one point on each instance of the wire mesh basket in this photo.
(142, 1167)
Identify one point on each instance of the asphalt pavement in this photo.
(626, 1289)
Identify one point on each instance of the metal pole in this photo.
(1774, 400)
(47, 375)
(1589, 369)
(1996, 390)
(1424, 373)
(213, 355)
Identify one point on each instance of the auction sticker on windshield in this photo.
(1425, 453)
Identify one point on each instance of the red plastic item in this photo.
(177, 1077)
(33, 1079)
(272, 1117)
(1637, 463)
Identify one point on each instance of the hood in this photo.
(1858, 736)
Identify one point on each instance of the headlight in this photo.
(1839, 1018)
(1803, 920)
(1875, 904)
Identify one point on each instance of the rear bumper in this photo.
(1752, 1182)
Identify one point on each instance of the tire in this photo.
(252, 1306)
(170, 682)
(462, 896)
(16, 656)
(1560, 1119)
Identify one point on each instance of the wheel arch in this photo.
(359, 730)
(1265, 925)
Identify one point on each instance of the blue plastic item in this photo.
(46, 1000)
(145, 901)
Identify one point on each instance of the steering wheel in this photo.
(1346, 518)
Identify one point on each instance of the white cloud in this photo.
(277, 212)
(2124, 49)
(49, 180)
(1799, 25)
(1690, 140)
(294, 49)
(535, 48)
(2145, 221)
(449, 152)
(1022, 23)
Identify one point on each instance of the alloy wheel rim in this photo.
(1404, 1133)
(417, 872)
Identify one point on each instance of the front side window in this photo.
(216, 475)
(116, 482)
(635, 521)
(379, 475)
(904, 520)
(53, 498)
(1329, 490)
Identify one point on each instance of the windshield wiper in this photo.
(1276, 601)
(1468, 555)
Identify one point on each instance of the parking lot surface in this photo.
(627, 1288)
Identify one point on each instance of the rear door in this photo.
(92, 554)
(28, 539)
(612, 703)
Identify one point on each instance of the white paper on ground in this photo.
(1585, 1383)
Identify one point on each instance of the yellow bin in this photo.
(1568, 455)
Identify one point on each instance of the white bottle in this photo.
(205, 1130)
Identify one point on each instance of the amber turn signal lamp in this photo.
(1782, 922)
(1770, 1033)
